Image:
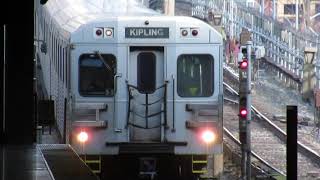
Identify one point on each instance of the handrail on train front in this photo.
(146, 104)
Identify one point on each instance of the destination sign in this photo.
(147, 32)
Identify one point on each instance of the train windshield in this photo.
(195, 75)
(96, 74)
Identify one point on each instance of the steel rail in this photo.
(308, 152)
(255, 155)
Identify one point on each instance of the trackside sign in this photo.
(147, 32)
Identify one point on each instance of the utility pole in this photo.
(243, 111)
(297, 14)
(274, 9)
(169, 7)
(249, 46)
(307, 13)
(231, 15)
(262, 6)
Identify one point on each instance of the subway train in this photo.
(141, 91)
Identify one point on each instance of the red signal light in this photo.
(243, 64)
(82, 137)
(243, 113)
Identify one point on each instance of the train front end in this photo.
(147, 96)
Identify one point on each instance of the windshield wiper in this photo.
(103, 61)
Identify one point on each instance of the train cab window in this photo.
(146, 72)
(96, 75)
(195, 75)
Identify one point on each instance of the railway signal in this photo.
(245, 109)
(243, 91)
(243, 113)
(243, 64)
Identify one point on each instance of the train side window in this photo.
(63, 66)
(54, 53)
(96, 75)
(67, 69)
(57, 57)
(47, 33)
(44, 28)
(51, 46)
(60, 60)
(146, 72)
(195, 75)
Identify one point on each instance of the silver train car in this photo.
(144, 92)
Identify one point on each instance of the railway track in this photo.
(268, 140)
(260, 168)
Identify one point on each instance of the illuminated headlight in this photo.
(108, 32)
(208, 136)
(82, 137)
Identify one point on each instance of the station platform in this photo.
(46, 161)
(64, 163)
(23, 162)
(42, 162)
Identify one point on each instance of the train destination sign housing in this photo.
(146, 32)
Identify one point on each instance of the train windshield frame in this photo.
(195, 75)
(96, 78)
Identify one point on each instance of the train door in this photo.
(146, 92)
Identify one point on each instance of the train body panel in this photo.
(169, 66)
(139, 30)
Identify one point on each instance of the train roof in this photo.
(71, 14)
